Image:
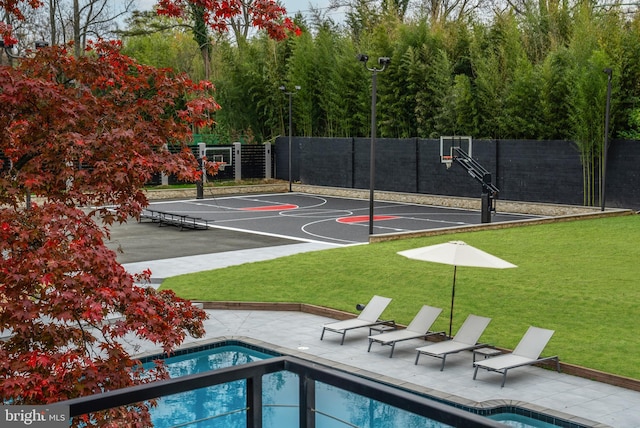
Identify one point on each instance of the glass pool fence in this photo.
(314, 403)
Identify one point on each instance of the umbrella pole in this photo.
(453, 296)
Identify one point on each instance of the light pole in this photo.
(605, 147)
(383, 62)
(290, 94)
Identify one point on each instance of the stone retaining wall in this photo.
(190, 193)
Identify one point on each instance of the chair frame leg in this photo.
(504, 378)
(343, 333)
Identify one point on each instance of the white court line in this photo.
(276, 235)
(304, 226)
(199, 202)
(328, 213)
(323, 201)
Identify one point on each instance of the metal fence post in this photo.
(267, 161)
(307, 402)
(254, 401)
(237, 161)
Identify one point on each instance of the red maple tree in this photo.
(266, 15)
(79, 135)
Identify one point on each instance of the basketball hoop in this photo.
(221, 166)
(452, 146)
(447, 160)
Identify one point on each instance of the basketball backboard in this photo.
(447, 144)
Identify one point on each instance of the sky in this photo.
(303, 6)
(292, 6)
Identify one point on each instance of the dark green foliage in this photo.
(627, 121)
(556, 92)
(516, 76)
(523, 113)
(535, 73)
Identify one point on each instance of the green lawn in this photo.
(579, 278)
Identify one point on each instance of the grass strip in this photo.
(578, 278)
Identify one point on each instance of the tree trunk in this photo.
(53, 6)
(201, 37)
(76, 29)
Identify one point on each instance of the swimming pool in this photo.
(225, 405)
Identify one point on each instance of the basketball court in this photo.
(314, 218)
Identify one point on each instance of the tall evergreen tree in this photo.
(556, 95)
(464, 105)
(523, 114)
(588, 99)
(301, 72)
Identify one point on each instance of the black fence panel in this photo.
(282, 150)
(431, 176)
(622, 183)
(540, 171)
(396, 164)
(325, 162)
(523, 170)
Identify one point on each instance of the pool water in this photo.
(211, 359)
(519, 421)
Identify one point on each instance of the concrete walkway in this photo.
(166, 268)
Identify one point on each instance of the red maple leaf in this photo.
(91, 139)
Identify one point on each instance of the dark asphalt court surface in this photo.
(140, 242)
(256, 221)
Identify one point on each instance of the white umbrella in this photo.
(456, 253)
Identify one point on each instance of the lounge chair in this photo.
(368, 317)
(466, 339)
(526, 353)
(418, 328)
